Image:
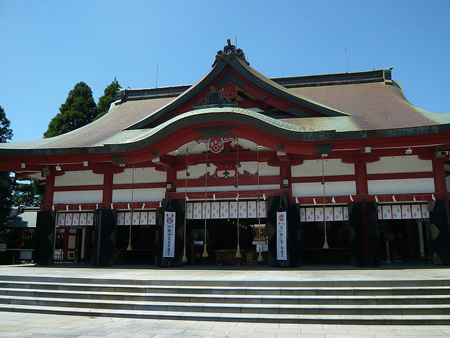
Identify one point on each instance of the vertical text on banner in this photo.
(169, 234)
(281, 236)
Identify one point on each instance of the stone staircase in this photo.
(325, 302)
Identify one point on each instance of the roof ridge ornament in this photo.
(228, 51)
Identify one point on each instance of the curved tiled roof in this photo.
(365, 105)
(372, 106)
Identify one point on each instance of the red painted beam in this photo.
(220, 182)
(385, 198)
(399, 176)
(151, 205)
(331, 178)
(228, 195)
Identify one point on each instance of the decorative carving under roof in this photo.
(228, 51)
(215, 99)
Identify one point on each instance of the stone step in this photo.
(231, 283)
(368, 302)
(217, 298)
(232, 290)
(435, 309)
(240, 317)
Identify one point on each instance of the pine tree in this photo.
(78, 110)
(104, 102)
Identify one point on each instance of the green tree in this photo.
(6, 133)
(27, 193)
(78, 110)
(6, 196)
(104, 102)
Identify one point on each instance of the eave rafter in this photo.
(299, 146)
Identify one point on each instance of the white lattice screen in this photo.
(315, 214)
(73, 219)
(137, 218)
(403, 211)
(385, 212)
(225, 210)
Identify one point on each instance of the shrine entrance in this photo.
(405, 241)
(73, 237)
(338, 240)
(405, 233)
(135, 237)
(225, 234)
(314, 235)
(71, 244)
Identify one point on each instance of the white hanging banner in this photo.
(281, 236)
(169, 234)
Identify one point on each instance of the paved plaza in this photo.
(44, 325)
(57, 326)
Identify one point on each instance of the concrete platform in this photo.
(235, 273)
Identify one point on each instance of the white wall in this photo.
(399, 164)
(74, 197)
(332, 167)
(264, 168)
(196, 171)
(141, 175)
(399, 186)
(316, 189)
(74, 178)
(139, 195)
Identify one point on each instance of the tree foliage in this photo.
(6, 133)
(27, 193)
(78, 110)
(104, 102)
(6, 197)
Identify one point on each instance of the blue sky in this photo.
(49, 46)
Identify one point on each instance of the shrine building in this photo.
(242, 169)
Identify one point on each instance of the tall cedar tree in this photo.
(78, 110)
(6, 197)
(104, 102)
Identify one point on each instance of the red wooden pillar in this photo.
(108, 180)
(439, 175)
(107, 187)
(49, 189)
(363, 220)
(284, 162)
(170, 180)
(362, 188)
